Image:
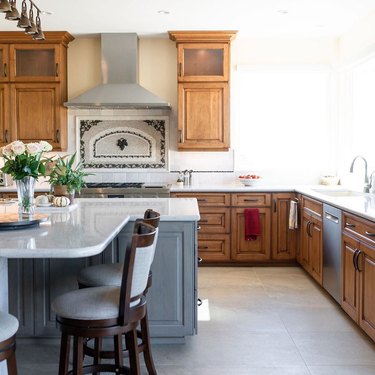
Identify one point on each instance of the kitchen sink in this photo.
(339, 193)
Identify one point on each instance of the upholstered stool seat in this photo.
(8, 328)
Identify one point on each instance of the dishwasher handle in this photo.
(331, 217)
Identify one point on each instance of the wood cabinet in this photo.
(4, 114)
(256, 250)
(358, 271)
(284, 240)
(203, 66)
(214, 226)
(311, 241)
(203, 116)
(36, 88)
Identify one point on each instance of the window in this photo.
(282, 120)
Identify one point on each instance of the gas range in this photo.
(124, 190)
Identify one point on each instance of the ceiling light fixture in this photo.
(25, 19)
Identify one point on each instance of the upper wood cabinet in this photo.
(203, 118)
(35, 62)
(203, 73)
(203, 62)
(34, 88)
(4, 63)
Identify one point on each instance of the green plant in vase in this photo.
(66, 177)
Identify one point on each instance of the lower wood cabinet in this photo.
(284, 239)
(221, 236)
(311, 239)
(256, 250)
(358, 272)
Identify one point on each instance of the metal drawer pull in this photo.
(202, 247)
(5, 70)
(349, 225)
(6, 136)
(201, 200)
(354, 259)
(57, 69)
(251, 200)
(180, 69)
(332, 218)
(57, 136)
(203, 221)
(369, 234)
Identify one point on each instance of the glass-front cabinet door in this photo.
(4, 63)
(35, 62)
(203, 62)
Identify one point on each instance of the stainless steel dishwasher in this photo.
(332, 251)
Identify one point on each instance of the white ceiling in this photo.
(257, 18)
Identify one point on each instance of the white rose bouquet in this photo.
(22, 160)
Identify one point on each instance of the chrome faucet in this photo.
(371, 180)
(366, 186)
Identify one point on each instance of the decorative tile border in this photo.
(123, 142)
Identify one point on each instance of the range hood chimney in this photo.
(119, 88)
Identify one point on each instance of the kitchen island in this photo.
(44, 261)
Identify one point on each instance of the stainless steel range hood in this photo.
(119, 88)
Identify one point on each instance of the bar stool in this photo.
(100, 312)
(110, 275)
(8, 329)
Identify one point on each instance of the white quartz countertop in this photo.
(39, 187)
(89, 228)
(358, 203)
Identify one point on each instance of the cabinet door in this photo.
(203, 62)
(284, 240)
(35, 112)
(214, 220)
(34, 62)
(203, 116)
(4, 63)
(366, 271)
(4, 114)
(257, 250)
(305, 242)
(316, 251)
(350, 281)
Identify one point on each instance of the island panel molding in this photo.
(130, 142)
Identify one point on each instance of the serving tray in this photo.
(16, 221)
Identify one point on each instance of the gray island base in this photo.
(44, 262)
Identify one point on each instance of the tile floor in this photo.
(264, 321)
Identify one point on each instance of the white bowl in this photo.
(250, 181)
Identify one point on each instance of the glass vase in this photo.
(25, 192)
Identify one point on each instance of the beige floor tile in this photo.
(316, 319)
(335, 348)
(342, 370)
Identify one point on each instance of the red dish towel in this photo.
(252, 224)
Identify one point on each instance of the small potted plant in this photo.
(66, 178)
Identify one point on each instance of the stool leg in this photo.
(97, 348)
(64, 354)
(117, 341)
(11, 364)
(78, 355)
(132, 346)
(147, 346)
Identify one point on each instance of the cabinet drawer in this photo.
(214, 247)
(251, 199)
(207, 199)
(361, 228)
(214, 220)
(312, 207)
